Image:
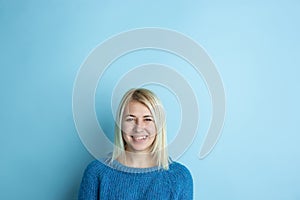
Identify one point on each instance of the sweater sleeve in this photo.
(186, 189)
(89, 187)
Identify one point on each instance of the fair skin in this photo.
(139, 133)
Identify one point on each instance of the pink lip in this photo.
(139, 138)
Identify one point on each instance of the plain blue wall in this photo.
(255, 46)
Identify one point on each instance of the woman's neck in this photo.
(137, 160)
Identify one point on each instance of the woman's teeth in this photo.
(139, 137)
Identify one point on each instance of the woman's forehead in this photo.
(136, 108)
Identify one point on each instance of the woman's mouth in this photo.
(139, 138)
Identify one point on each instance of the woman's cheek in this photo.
(152, 130)
(126, 127)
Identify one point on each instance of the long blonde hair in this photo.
(159, 146)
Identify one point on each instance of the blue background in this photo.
(254, 44)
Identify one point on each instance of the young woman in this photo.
(139, 167)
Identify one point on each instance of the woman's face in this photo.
(138, 127)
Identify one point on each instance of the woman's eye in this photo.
(148, 119)
(129, 119)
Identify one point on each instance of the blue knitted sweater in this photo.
(114, 181)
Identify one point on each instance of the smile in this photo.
(140, 138)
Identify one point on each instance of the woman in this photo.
(139, 167)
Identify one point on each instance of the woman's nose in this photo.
(139, 126)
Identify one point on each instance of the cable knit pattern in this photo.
(118, 182)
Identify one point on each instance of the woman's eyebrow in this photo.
(145, 116)
(129, 115)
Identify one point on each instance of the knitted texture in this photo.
(118, 182)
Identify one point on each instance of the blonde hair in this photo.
(150, 100)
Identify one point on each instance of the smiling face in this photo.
(138, 127)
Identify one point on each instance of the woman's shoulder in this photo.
(180, 171)
(95, 166)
